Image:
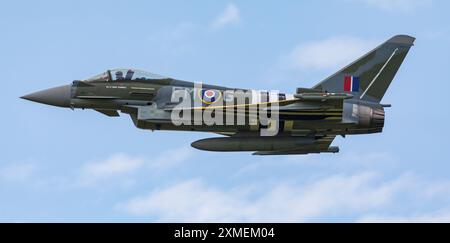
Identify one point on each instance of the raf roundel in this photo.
(210, 96)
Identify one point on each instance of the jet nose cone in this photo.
(59, 96)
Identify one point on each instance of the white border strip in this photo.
(379, 73)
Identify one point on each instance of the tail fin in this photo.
(369, 77)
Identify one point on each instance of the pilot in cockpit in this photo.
(119, 75)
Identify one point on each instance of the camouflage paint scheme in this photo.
(309, 120)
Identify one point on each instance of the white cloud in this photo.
(115, 165)
(170, 158)
(231, 15)
(195, 201)
(441, 216)
(17, 173)
(396, 5)
(121, 165)
(342, 161)
(188, 201)
(330, 53)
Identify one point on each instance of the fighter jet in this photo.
(244, 120)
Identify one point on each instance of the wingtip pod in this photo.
(402, 39)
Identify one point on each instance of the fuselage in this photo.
(264, 122)
(344, 117)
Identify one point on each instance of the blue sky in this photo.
(71, 166)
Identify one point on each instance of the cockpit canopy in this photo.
(116, 75)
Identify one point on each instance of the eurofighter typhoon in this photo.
(263, 122)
